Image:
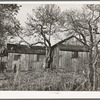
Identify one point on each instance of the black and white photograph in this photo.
(49, 46)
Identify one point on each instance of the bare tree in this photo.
(84, 24)
(43, 24)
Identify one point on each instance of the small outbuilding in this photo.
(26, 56)
(71, 54)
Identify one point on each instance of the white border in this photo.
(50, 2)
(46, 94)
(51, 94)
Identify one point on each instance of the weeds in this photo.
(39, 79)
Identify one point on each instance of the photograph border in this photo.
(19, 95)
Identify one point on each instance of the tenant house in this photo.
(28, 56)
(70, 54)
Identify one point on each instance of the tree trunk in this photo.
(95, 66)
(91, 73)
(49, 58)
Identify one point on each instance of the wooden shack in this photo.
(28, 57)
(70, 54)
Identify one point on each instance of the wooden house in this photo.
(28, 57)
(70, 54)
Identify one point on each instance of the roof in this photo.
(67, 38)
(24, 49)
(73, 48)
(62, 47)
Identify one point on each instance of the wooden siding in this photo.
(68, 63)
(23, 62)
(31, 61)
(26, 61)
(56, 57)
(9, 62)
(63, 59)
(24, 58)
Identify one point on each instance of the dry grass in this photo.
(39, 79)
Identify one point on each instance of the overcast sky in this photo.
(27, 8)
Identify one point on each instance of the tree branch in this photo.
(97, 17)
(43, 35)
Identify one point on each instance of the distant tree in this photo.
(85, 25)
(43, 24)
(8, 14)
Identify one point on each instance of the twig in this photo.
(81, 85)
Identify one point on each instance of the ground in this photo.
(39, 79)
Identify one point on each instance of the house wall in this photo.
(73, 64)
(55, 62)
(64, 60)
(26, 61)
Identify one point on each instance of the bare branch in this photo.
(97, 17)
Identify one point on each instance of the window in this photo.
(75, 54)
(16, 57)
